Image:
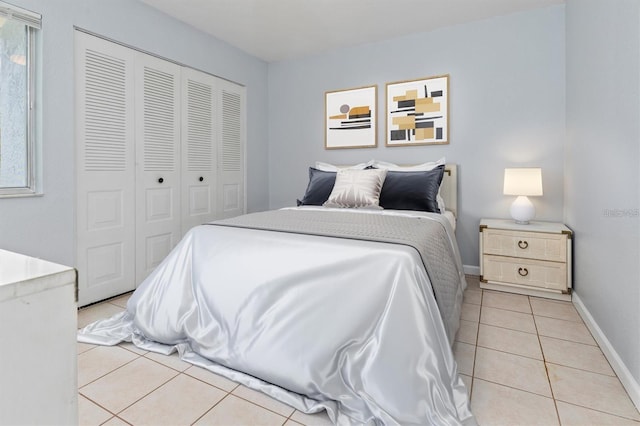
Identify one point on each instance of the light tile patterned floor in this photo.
(525, 361)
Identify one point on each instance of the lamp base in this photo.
(522, 210)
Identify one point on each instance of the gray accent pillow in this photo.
(357, 189)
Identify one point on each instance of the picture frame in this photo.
(351, 118)
(417, 112)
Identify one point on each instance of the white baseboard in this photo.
(630, 384)
(471, 270)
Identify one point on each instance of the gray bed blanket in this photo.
(426, 234)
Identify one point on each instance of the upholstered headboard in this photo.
(449, 188)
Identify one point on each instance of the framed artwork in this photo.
(350, 118)
(418, 112)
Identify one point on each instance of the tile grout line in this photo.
(561, 319)
(507, 328)
(99, 405)
(211, 408)
(132, 351)
(515, 388)
(268, 409)
(207, 383)
(587, 407)
(593, 345)
(599, 411)
(145, 395)
(83, 352)
(544, 364)
(115, 416)
(582, 369)
(573, 341)
(509, 353)
(250, 402)
(231, 391)
(475, 350)
(289, 418)
(164, 365)
(111, 371)
(509, 310)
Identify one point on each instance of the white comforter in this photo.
(316, 322)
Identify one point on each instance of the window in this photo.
(18, 32)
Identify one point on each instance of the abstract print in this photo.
(418, 112)
(350, 118)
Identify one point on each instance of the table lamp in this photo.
(523, 182)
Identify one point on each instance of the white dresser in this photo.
(38, 350)
(533, 259)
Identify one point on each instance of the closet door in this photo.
(105, 209)
(231, 149)
(199, 154)
(157, 181)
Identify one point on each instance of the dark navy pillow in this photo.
(412, 190)
(319, 188)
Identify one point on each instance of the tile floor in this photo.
(525, 360)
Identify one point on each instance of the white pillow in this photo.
(326, 167)
(357, 189)
(424, 167)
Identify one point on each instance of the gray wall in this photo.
(602, 163)
(507, 96)
(44, 226)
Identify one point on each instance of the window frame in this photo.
(33, 23)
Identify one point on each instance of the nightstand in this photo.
(533, 259)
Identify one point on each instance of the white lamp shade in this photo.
(523, 181)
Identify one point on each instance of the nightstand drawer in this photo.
(528, 245)
(526, 272)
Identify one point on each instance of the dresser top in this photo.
(533, 226)
(21, 275)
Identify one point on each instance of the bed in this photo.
(352, 311)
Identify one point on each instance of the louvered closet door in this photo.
(157, 161)
(104, 169)
(199, 154)
(231, 147)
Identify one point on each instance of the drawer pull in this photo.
(523, 272)
(523, 244)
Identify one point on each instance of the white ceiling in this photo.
(274, 30)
